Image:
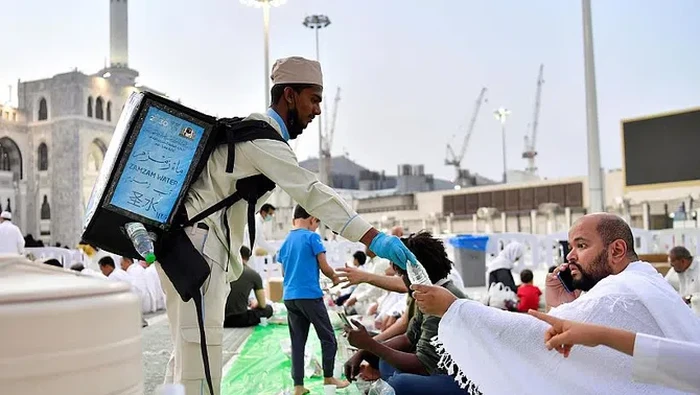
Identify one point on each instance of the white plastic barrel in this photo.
(62, 333)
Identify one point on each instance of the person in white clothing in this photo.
(80, 268)
(656, 360)
(499, 269)
(109, 269)
(11, 239)
(154, 287)
(113, 273)
(477, 342)
(360, 261)
(365, 294)
(687, 269)
(139, 283)
(266, 214)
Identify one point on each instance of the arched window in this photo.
(109, 111)
(43, 110)
(5, 163)
(99, 109)
(45, 209)
(96, 156)
(10, 158)
(43, 157)
(89, 108)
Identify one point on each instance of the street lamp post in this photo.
(265, 5)
(595, 184)
(318, 22)
(501, 114)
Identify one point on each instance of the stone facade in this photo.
(54, 146)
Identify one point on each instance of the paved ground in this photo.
(157, 348)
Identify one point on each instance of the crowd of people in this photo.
(417, 338)
(442, 342)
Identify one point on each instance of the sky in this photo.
(409, 71)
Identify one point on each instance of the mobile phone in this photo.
(567, 280)
(345, 320)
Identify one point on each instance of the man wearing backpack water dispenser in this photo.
(217, 230)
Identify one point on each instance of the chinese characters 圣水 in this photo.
(149, 202)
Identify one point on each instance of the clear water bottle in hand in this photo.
(417, 274)
(141, 240)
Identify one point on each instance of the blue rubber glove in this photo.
(393, 249)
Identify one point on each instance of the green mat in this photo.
(262, 367)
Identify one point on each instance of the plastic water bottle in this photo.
(142, 241)
(417, 274)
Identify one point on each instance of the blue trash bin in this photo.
(470, 258)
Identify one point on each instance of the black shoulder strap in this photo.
(225, 203)
(237, 131)
(232, 131)
(199, 308)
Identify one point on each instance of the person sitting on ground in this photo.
(109, 269)
(365, 294)
(528, 294)
(493, 351)
(408, 362)
(237, 313)
(139, 284)
(358, 260)
(302, 256)
(687, 271)
(389, 307)
(80, 268)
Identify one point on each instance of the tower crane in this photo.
(327, 137)
(456, 160)
(530, 152)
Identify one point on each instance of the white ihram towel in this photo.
(497, 352)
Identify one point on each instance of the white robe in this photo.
(155, 290)
(120, 275)
(499, 352)
(507, 258)
(139, 283)
(365, 293)
(392, 304)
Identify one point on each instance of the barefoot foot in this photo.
(300, 390)
(337, 382)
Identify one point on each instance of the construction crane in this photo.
(456, 160)
(530, 152)
(327, 142)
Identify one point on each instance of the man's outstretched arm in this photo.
(277, 161)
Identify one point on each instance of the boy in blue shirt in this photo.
(302, 255)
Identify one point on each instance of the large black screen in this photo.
(662, 149)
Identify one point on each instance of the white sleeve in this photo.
(360, 293)
(672, 278)
(260, 240)
(666, 362)
(277, 161)
(370, 292)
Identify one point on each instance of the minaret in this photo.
(118, 34)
